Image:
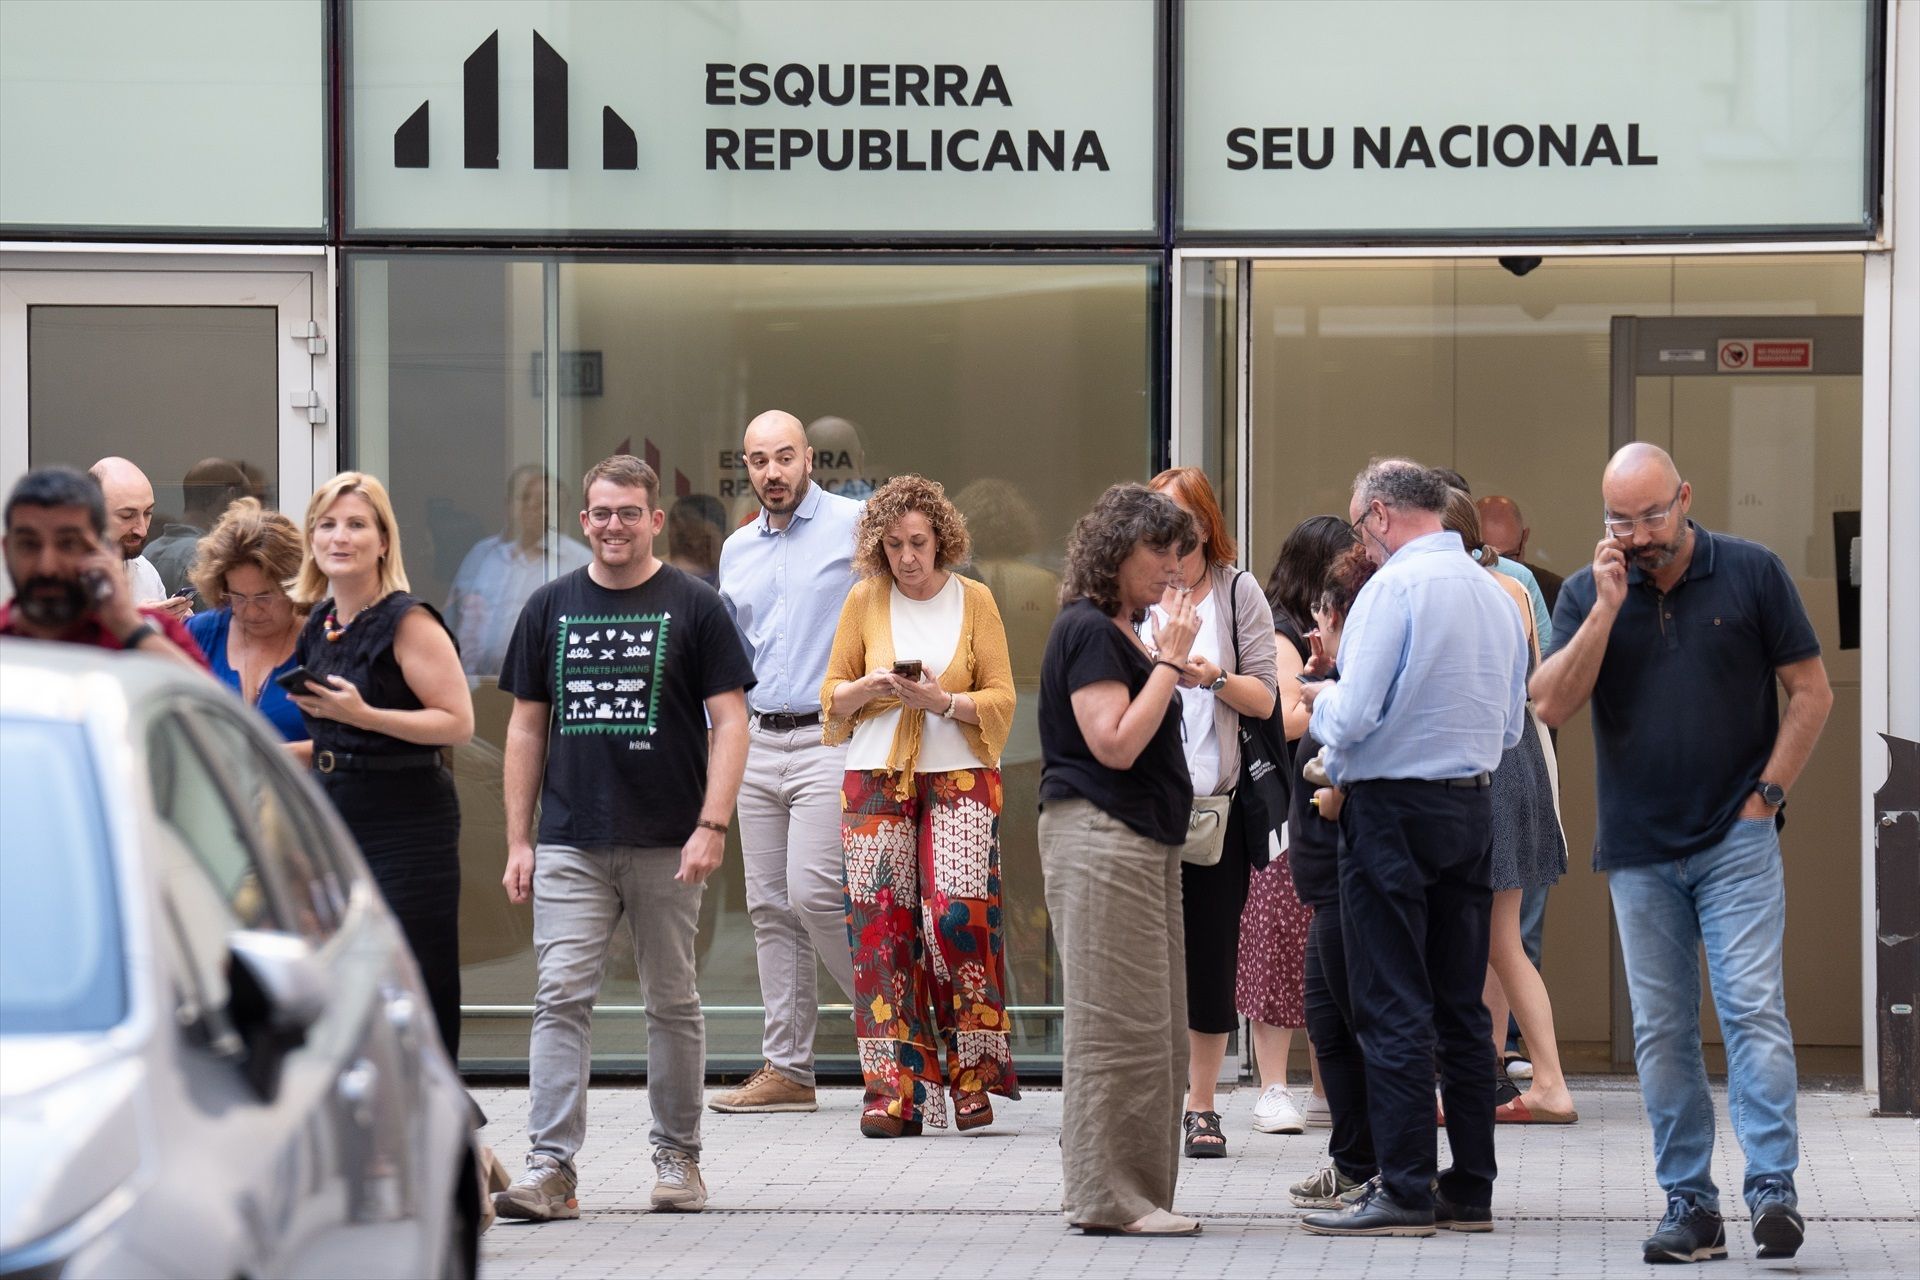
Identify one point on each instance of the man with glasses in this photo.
(1431, 693)
(784, 576)
(1677, 635)
(620, 672)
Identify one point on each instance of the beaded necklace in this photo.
(336, 630)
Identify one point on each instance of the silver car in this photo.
(216, 1055)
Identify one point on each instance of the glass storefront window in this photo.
(481, 388)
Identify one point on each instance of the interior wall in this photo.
(1506, 378)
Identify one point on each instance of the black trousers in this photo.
(408, 828)
(1415, 906)
(1211, 900)
(1343, 1068)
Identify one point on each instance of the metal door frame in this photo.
(296, 282)
(1687, 347)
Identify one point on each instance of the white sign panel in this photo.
(948, 118)
(1489, 116)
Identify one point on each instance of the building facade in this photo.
(1028, 249)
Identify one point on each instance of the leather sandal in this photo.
(1157, 1223)
(1200, 1126)
(972, 1111)
(882, 1124)
(1518, 1112)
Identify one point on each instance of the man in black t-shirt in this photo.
(1678, 636)
(618, 671)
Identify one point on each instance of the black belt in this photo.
(341, 761)
(1478, 782)
(782, 722)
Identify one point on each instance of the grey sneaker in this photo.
(1778, 1227)
(1327, 1189)
(542, 1194)
(678, 1187)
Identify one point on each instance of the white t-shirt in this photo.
(930, 631)
(145, 581)
(1199, 735)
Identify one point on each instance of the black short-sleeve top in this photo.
(364, 655)
(1156, 795)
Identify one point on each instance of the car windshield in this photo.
(62, 969)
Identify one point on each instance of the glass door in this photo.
(204, 379)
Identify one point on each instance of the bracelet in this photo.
(711, 825)
(1175, 667)
(953, 700)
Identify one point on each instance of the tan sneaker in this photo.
(678, 1186)
(766, 1090)
(542, 1194)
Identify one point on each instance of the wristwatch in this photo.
(1772, 792)
(132, 639)
(1218, 684)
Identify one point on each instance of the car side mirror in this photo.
(279, 990)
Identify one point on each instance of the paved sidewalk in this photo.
(806, 1196)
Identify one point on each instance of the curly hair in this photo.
(247, 534)
(1463, 518)
(901, 496)
(1125, 516)
(1345, 577)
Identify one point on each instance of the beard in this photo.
(794, 494)
(1658, 555)
(53, 603)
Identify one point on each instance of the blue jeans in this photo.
(1732, 897)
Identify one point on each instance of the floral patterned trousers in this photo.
(923, 920)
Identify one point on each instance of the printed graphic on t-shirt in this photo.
(607, 673)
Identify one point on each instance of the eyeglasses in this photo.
(601, 517)
(1623, 526)
(261, 601)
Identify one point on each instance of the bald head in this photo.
(1642, 486)
(1502, 525)
(779, 463)
(774, 427)
(129, 496)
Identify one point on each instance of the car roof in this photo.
(51, 680)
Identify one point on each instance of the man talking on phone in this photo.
(68, 584)
(1677, 636)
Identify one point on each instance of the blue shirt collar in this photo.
(1426, 544)
(1701, 566)
(809, 503)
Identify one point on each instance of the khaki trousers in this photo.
(1114, 896)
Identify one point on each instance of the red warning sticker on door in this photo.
(1765, 355)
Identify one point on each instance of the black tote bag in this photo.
(1266, 768)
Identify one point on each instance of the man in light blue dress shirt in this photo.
(784, 577)
(1431, 692)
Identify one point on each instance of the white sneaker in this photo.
(1275, 1112)
(1318, 1114)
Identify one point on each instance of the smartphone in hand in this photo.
(296, 681)
(908, 669)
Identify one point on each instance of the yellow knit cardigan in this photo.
(980, 668)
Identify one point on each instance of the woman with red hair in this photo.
(1229, 673)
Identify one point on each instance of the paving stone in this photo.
(806, 1196)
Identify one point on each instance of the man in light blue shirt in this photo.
(784, 577)
(1432, 690)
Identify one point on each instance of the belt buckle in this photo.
(323, 761)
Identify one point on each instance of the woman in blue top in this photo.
(249, 636)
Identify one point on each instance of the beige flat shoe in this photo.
(1157, 1223)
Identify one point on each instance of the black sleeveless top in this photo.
(364, 655)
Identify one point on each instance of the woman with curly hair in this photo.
(1114, 803)
(241, 568)
(920, 688)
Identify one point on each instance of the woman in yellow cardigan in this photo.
(921, 689)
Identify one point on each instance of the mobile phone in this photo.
(1308, 678)
(907, 669)
(297, 680)
(99, 586)
(183, 592)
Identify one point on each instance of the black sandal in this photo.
(1200, 1126)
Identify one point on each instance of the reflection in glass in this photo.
(1025, 388)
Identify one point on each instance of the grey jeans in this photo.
(579, 896)
(796, 885)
